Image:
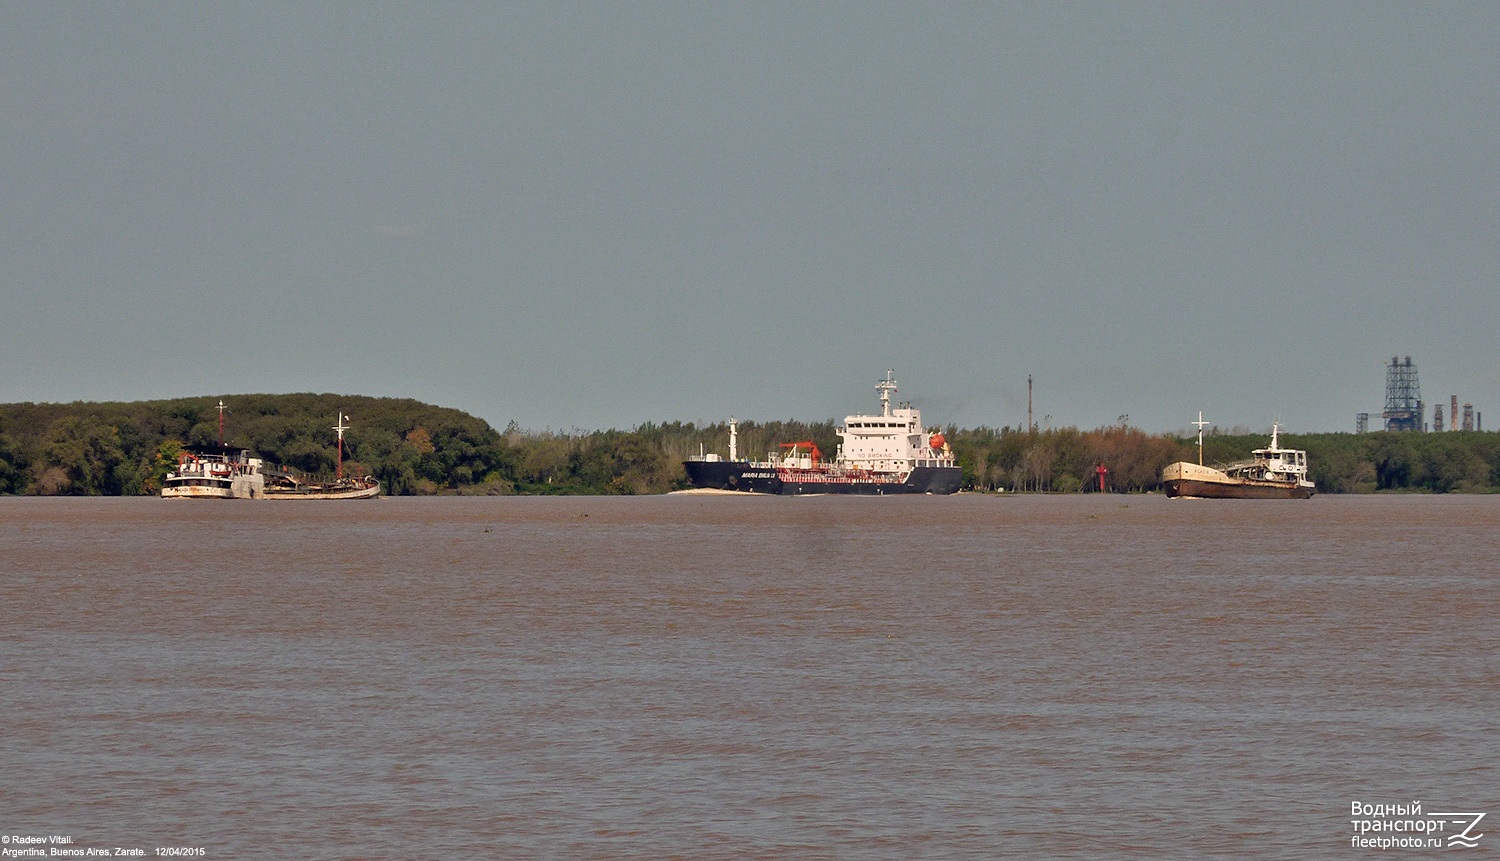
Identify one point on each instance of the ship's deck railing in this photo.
(945, 461)
(1237, 464)
(1289, 465)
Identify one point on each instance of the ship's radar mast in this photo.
(885, 387)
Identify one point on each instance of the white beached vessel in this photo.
(215, 472)
(221, 472)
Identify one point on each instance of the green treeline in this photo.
(1065, 460)
(89, 449)
(86, 449)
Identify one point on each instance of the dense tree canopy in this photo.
(417, 448)
(127, 448)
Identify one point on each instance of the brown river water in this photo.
(687, 676)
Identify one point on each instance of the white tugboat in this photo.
(887, 453)
(215, 472)
(1272, 472)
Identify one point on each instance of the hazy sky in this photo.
(592, 215)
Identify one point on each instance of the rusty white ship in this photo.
(878, 454)
(288, 485)
(215, 472)
(224, 472)
(1272, 472)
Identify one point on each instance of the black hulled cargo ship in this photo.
(878, 454)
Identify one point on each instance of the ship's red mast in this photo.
(340, 428)
(221, 424)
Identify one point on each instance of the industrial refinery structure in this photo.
(1404, 410)
(1403, 397)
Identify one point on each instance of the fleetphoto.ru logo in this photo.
(1405, 826)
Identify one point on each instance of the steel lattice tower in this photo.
(1403, 397)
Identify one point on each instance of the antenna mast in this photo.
(1030, 425)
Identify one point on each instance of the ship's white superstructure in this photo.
(215, 473)
(1273, 463)
(893, 441)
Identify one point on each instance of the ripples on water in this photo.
(705, 677)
